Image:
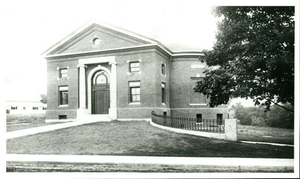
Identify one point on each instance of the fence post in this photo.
(231, 130)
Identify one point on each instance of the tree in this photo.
(276, 117)
(254, 56)
(44, 98)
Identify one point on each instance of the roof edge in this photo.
(118, 29)
(147, 46)
(100, 51)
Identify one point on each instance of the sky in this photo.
(32, 26)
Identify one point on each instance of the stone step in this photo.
(95, 118)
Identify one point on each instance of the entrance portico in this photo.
(87, 107)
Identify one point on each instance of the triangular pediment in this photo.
(93, 37)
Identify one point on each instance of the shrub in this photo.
(258, 121)
(246, 120)
(277, 117)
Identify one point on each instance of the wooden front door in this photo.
(101, 101)
(101, 104)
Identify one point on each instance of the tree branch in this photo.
(282, 106)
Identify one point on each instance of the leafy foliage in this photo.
(280, 117)
(276, 117)
(254, 54)
(44, 98)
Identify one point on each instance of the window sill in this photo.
(134, 72)
(135, 103)
(65, 78)
(200, 104)
(63, 105)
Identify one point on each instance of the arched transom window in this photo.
(100, 78)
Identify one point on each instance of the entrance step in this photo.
(96, 118)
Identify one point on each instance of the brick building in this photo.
(25, 107)
(101, 71)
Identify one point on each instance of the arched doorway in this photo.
(100, 93)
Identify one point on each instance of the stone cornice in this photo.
(125, 49)
(98, 52)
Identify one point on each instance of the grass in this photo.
(265, 134)
(31, 118)
(137, 139)
(24, 121)
(20, 126)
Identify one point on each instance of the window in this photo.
(35, 108)
(62, 117)
(163, 68)
(134, 66)
(199, 118)
(96, 41)
(196, 98)
(135, 92)
(14, 108)
(219, 119)
(101, 79)
(24, 108)
(63, 73)
(63, 95)
(163, 93)
(165, 113)
(44, 108)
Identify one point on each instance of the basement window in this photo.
(62, 117)
(199, 118)
(219, 119)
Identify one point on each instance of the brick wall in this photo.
(177, 80)
(53, 108)
(150, 84)
(182, 69)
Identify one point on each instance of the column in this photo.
(82, 92)
(82, 88)
(113, 91)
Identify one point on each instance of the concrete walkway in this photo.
(268, 143)
(152, 160)
(36, 130)
(238, 164)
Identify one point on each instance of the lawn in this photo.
(137, 139)
(24, 121)
(31, 118)
(265, 134)
(20, 126)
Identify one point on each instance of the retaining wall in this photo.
(230, 131)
